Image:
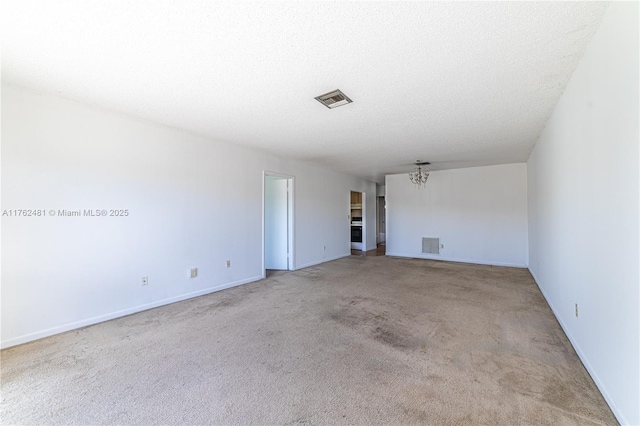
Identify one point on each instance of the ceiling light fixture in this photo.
(418, 177)
(333, 99)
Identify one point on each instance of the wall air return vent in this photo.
(431, 245)
(333, 99)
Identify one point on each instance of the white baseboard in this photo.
(585, 361)
(101, 318)
(306, 265)
(121, 313)
(450, 259)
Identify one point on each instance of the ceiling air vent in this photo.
(334, 99)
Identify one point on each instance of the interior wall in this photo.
(370, 227)
(583, 211)
(189, 202)
(479, 214)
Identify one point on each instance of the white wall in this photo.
(479, 214)
(583, 211)
(192, 202)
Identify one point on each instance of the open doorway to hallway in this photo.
(277, 222)
(381, 221)
(357, 222)
(380, 249)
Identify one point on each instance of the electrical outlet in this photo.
(441, 245)
(324, 247)
(192, 273)
(576, 310)
(228, 264)
(144, 281)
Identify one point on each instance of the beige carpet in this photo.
(361, 340)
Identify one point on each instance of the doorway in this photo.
(277, 241)
(381, 214)
(357, 220)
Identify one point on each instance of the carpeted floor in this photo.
(361, 340)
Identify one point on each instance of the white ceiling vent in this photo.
(334, 99)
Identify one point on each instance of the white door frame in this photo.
(290, 219)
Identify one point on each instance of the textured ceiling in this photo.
(458, 84)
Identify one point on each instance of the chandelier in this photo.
(418, 177)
